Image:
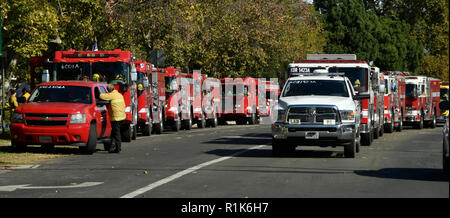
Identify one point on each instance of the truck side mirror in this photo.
(45, 76)
(133, 74)
(360, 97)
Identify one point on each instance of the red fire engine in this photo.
(158, 85)
(359, 74)
(378, 91)
(145, 98)
(114, 67)
(272, 91)
(422, 101)
(203, 114)
(212, 100)
(177, 108)
(239, 100)
(394, 101)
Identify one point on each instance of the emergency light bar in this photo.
(331, 57)
(79, 55)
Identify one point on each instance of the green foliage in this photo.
(355, 27)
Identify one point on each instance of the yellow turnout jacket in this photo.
(116, 109)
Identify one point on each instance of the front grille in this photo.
(313, 115)
(328, 129)
(46, 122)
(46, 115)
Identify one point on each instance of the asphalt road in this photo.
(236, 162)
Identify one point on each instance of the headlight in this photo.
(17, 118)
(347, 115)
(78, 119)
(281, 116)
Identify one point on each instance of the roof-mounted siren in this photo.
(331, 57)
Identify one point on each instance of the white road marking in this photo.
(185, 172)
(10, 188)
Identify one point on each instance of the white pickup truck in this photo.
(319, 110)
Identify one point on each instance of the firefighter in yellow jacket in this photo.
(116, 110)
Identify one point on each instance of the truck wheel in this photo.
(433, 122)
(201, 123)
(159, 128)
(358, 142)
(376, 133)
(188, 124)
(445, 164)
(176, 125)
(365, 139)
(350, 148)
(252, 119)
(389, 127)
(147, 129)
(91, 145)
(400, 125)
(134, 132)
(125, 133)
(420, 124)
(18, 147)
(381, 131)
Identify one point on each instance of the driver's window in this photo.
(97, 94)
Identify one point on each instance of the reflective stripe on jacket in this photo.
(117, 107)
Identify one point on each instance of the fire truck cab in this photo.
(178, 98)
(239, 101)
(357, 71)
(145, 97)
(394, 101)
(113, 67)
(422, 101)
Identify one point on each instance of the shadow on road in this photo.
(422, 174)
(265, 153)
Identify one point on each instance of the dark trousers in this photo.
(115, 135)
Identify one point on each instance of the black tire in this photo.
(420, 124)
(433, 122)
(159, 128)
(445, 164)
(91, 145)
(400, 124)
(376, 133)
(214, 122)
(358, 142)
(350, 148)
(381, 131)
(252, 119)
(188, 124)
(125, 133)
(201, 123)
(134, 132)
(389, 127)
(241, 122)
(18, 147)
(176, 125)
(147, 129)
(366, 139)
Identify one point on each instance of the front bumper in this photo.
(74, 134)
(340, 133)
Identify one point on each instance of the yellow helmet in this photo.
(357, 82)
(96, 76)
(140, 87)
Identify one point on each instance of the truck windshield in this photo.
(238, 90)
(444, 94)
(115, 73)
(140, 77)
(411, 90)
(315, 87)
(73, 71)
(358, 76)
(66, 94)
(171, 84)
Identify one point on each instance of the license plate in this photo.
(45, 139)
(312, 135)
(294, 121)
(329, 122)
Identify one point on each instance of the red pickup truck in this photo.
(63, 113)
